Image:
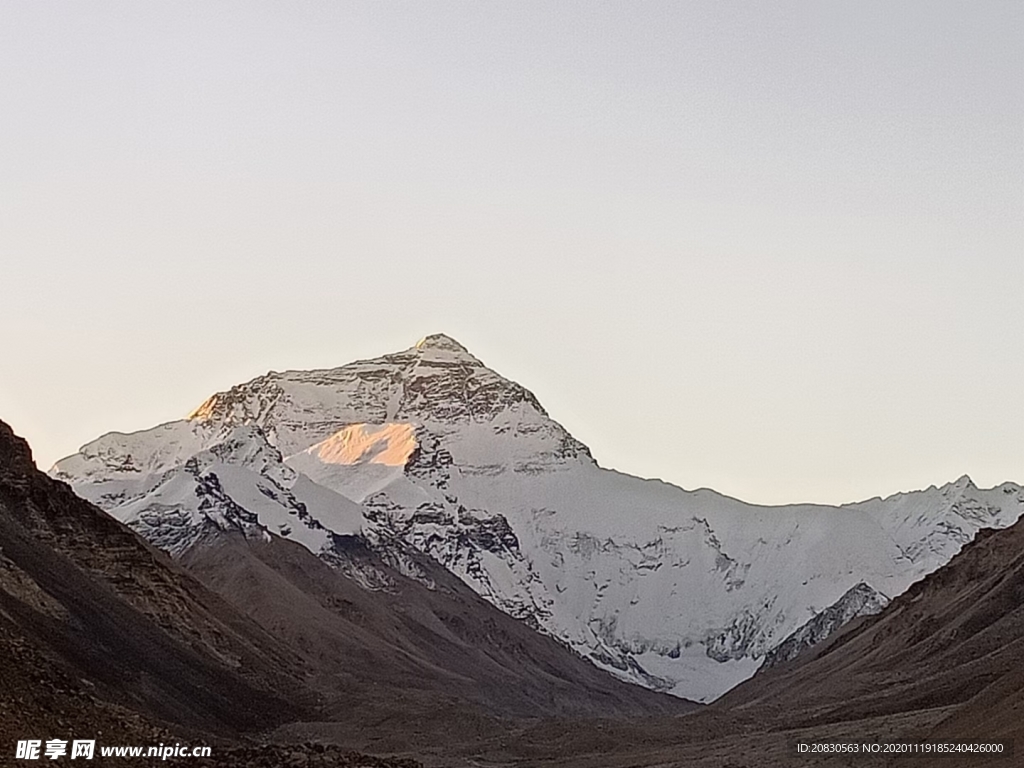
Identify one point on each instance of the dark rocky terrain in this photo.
(402, 667)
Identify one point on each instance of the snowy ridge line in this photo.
(681, 591)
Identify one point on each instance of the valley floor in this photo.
(705, 739)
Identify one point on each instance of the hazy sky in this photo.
(772, 248)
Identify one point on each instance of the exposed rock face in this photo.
(428, 450)
(860, 600)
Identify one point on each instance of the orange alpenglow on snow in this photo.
(388, 444)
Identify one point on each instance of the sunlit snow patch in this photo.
(388, 444)
(359, 459)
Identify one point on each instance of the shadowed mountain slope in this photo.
(426, 654)
(410, 632)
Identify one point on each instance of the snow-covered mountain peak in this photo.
(436, 384)
(960, 485)
(441, 342)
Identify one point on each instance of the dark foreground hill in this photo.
(427, 657)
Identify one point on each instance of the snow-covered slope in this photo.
(236, 481)
(682, 591)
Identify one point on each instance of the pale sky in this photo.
(776, 249)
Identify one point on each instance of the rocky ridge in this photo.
(860, 600)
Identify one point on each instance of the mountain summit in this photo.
(441, 341)
(429, 451)
(437, 382)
